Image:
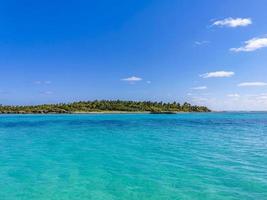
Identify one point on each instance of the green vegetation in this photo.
(105, 106)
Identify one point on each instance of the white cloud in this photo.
(233, 101)
(262, 97)
(199, 43)
(42, 82)
(148, 82)
(252, 45)
(217, 74)
(46, 93)
(252, 84)
(245, 103)
(258, 97)
(234, 95)
(200, 88)
(199, 100)
(233, 22)
(47, 82)
(132, 79)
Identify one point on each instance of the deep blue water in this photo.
(133, 156)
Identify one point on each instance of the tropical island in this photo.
(104, 106)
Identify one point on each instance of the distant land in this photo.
(104, 106)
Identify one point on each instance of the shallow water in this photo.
(133, 156)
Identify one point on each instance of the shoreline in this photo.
(111, 112)
(128, 112)
(96, 112)
(104, 106)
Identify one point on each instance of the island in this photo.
(104, 106)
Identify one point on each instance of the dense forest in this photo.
(105, 106)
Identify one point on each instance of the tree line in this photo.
(105, 106)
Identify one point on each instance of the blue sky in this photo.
(205, 52)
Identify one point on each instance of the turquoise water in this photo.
(133, 156)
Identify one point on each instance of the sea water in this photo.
(133, 156)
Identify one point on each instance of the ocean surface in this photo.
(134, 156)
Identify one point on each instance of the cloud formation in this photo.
(42, 82)
(132, 79)
(200, 88)
(47, 82)
(204, 42)
(252, 45)
(199, 100)
(233, 22)
(234, 95)
(261, 97)
(217, 74)
(252, 84)
(46, 93)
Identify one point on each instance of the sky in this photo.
(208, 52)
